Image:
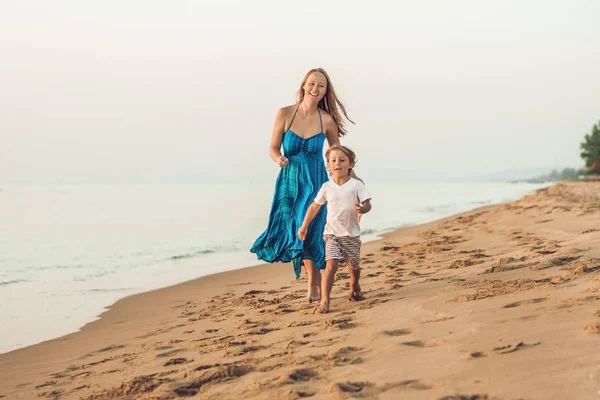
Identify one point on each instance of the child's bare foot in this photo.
(313, 293)
(356, 293)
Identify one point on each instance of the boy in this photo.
(347, 199)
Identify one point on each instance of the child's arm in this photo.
(364, 208)
(310, 214)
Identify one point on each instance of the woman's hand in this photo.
(282, 161)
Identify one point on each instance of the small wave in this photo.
(110, 290)
(437, 208)
(368, 231)
(191, 255)
(481, 202)
(6, 283)
(78, 266)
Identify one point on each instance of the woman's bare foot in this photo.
(313, 293)
(322, 308)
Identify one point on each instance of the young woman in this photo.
(302, 129)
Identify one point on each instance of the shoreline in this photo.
(463, 304)
(230, 267)
(67, 294)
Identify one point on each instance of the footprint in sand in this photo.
(502, 268)
(246, 350)
(422, 343)
(299, 394)
(295, 324)
(477, 354)
(262, 331)
(82, 375)
(414, 384)
(284, 309)
(297, 343)
(212, 376)
(520, 303)
(344, 356)
(46, 384)
(399, 332)
(511, 348)
(169, 353)
(303, 375)
(54, 395)
(111, 347)
(177, 361)
(351, 387)
(340, 323)
(373, 303)
(389, 248)
(327, 342)
(592, 329)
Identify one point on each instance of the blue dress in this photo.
(295, 190)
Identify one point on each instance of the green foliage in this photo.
(564, 175)
(590, 150)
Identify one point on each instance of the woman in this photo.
(302, 129)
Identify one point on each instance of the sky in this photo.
(187, 91)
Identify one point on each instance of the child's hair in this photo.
(348, 152)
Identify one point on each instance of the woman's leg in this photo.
(314, 281)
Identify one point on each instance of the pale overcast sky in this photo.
(120, 91)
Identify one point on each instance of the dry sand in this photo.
(502, 302)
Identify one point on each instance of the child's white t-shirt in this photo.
(342, 219)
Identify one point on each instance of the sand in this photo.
(502, 302)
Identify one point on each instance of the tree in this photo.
(590, 150)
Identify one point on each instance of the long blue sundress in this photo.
(295, 190)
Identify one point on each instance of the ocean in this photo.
(68, 252)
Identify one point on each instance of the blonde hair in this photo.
(347, 151)
(330, 102)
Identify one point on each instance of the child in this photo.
(347, 199)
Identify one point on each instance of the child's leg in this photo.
(327, 284)
(353, 251)
(314, 281)
(354, 281)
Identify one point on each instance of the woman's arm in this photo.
(277, 139)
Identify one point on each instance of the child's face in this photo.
(338, 164)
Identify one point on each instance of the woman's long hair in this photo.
(330, 102)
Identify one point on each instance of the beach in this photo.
(501, 302)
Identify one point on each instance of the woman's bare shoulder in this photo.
(286, 111)
(327, 118)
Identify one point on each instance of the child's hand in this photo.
(302, 233)
(359, 211)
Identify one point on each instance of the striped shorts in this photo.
(343, 248)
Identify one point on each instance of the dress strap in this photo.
(320, 119)
(294, 116)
